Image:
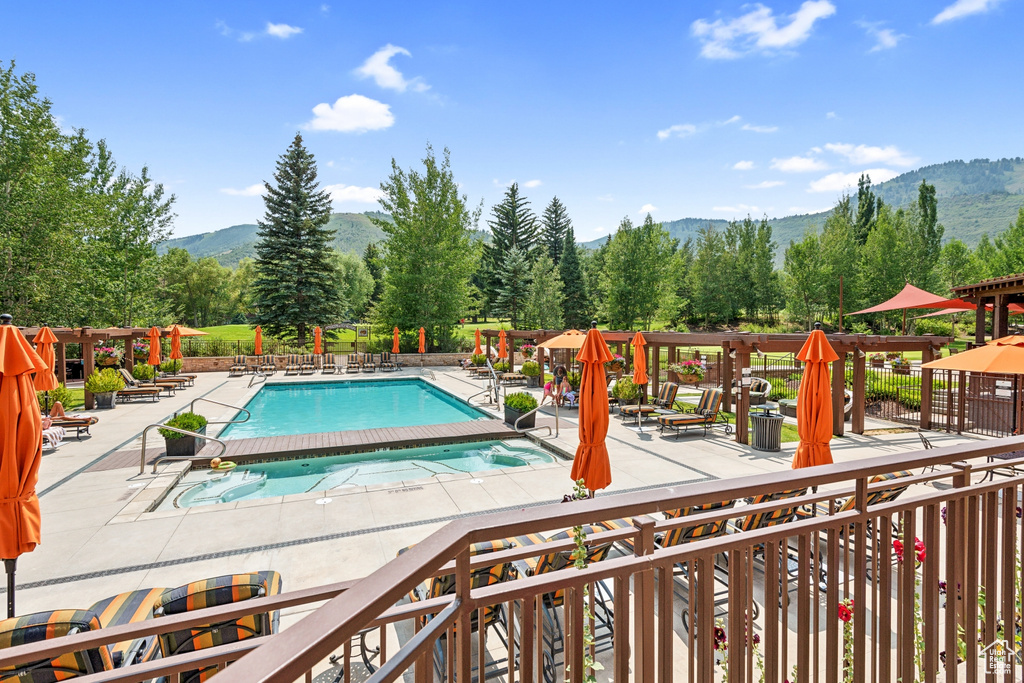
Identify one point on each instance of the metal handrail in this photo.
(527, 430)
(192, 405)
(258, 373)
(145, 433)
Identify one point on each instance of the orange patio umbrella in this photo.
(570, 339)
(394, 341)
(814, 403)
(423, 341)
(21, 449)
(318, 346)
(1002, 356)
(45, 380)
(477, 351)
(639, 359)
(258, 350)
(186, 331)
(175, 342)
(591, 461)
(154, 346)
(502, 346)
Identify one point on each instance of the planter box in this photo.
(878, 363)
(901, 369)
(688, 379)
(533, 381)
(512, 415)
(106, 400)
(186, 445)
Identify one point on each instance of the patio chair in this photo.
(308, 364)
(366, 363)
(878, 497)
(80, 423)
(328, 367)
(293, 364)
(512, 378)
(267, 365)
(706, 414)
(221, 590)
(352, 363)
(661, 405)
(132, 383)
(238, 367)
(387, 362)
(130, 393)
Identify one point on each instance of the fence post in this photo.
(927, 354)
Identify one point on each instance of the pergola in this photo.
(737, 348)
(999, 292)
(87, 337)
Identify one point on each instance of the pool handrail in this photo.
(192, 405)
(527, 430)
(258, 373)
(145, 433)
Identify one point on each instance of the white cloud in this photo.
(325, 8)
(251, 191)
(863, 154)
(759, 129)
(378, 67)
(532, 183)
(885, 38)
(738, 209)
(330, 164)
(798, 164)
(758, 30)
(680, 130)
(342, 193)
(282, 30)
(831, 115)
(743, 165)
(734, 119)
(837, 182)
(352, 114)
(964, 8)
(765, 184)
(647, 208)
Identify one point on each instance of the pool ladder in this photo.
(527, 430)
(185, 432)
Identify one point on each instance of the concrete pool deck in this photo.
(99, 540)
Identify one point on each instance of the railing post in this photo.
(643, 588)
(463, 586)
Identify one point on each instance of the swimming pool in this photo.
(288, 477)
(309, 408)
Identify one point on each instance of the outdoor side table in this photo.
(767, 431)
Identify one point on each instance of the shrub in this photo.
(520, 401)
(478, 359)
(143, 372)
(501, 366)
(171, 365)
(531, 368)
(61, 393)
(104, 382)
(574, 380)
(626, 390)
(191, 422)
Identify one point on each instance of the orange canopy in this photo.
(914, 297)
(21, 444)
(154, 346)
(814, 403)
(591, 461)
(44, 340)
(571, 339)
(502, 346)
(175, 342)
(423, 341)
(318, 346)
(639, 359)
(258, 350)
(394, 341)
(995, 357)
(186, 331)
(477, 351)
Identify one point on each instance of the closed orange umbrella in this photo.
(318, 346)
(44, 341)
(477, 351)
(423, 341)
(502, 346)
(394, 341)
(154, 346)
(814, 403)
(259, 341)
(175, 342)
(21, 449)
(639, 360)
(591, 461)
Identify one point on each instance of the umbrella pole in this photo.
(9, 567)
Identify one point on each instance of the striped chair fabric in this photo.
(352, 363)
(308, 364)
(293, 364)
(874, 497)
(553, 562)
(268, 364)
(760, 520)
(685, 534)
(237, 366)
(666, 398)
(328, 365)
(387, 362)
(33, 628)
(704, 414)
(127, 608)
(222, 590)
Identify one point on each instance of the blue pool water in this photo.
(288, 477)
(309, 408)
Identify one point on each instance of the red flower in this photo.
(897, 546)
(845, 613)
(919, 547)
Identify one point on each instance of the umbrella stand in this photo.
(10, 566)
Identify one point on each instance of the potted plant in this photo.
(616, 364)
(143, 372)
(877, 360)
(183, 444)
(140, 350)
(574, 380)
(518, 404)
(900, 365)
(625, 391)
(532, 371)
(107, 356)
(527, 350)
(171, 366)
(104, 385)
(478, 359)
(501, 366)
(688, 372)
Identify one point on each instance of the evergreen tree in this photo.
(514, 225)
(428, 256)
(867, 208)
(543, 309)
(840, 257)
(635, 271)
(375, 267)
(767, 289)
(296, 282)
(555, 224)
(681, 297)
(514, 286)
(575, 307)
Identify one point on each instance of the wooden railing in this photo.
(772, 594)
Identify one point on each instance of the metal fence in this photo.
(199, 346)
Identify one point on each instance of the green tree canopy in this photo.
(576, 311)
(543, 309)
(556, 224)
(635, 266)
(513, 286)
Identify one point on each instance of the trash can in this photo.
(767, 432)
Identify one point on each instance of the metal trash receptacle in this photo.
(767, 432)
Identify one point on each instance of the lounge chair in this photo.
(706, 414)
(53, 438)
(267, 365)
(329, 367)
(661, 405)
(221, 590)
(132, 383)
(308, 365)
(187, 377)
(238, 367)
(366, 363)
(80, 423)
(387, 363)
(130, 393)
(510, 378)
(293, 364)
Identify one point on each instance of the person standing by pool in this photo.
(551, 388)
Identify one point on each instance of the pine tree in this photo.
(543, 309)
(295, 286)
(868, 207)
(575, 307)
(375, 266)
(514, 225)
(514, 286)
(556, 223)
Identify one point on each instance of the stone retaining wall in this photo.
(415, 360)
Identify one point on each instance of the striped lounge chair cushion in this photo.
(685, 534)
(666, 397)
(126, 608)
(875, 497)
(760, 520)
(34, 628)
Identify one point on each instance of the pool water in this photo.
(309, 408)
(288, 477)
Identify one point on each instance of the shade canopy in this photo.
(258, 349)
(154, 346)
(186, 331)
(571, 339)
(477, 351)
(394, 340)
(502, 345)
(591, 461)
(639, 359)
(318, 344)
(914, 297)
(995, 357)
(44, 340)
(814, 403)
(423, 341)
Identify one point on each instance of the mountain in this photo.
(975, 198)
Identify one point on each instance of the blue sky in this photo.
(684, 109)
